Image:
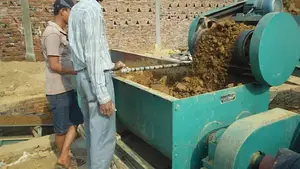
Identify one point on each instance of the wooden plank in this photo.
(132, 157)
(118, 163)
(35, 133)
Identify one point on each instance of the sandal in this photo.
(77, 162)
(59, 166)
(80, 162)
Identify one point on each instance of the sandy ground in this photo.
(35, 160)
(40, 153)
(21, 81)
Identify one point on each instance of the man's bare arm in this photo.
(56, 66)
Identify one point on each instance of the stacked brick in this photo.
(130, 24)
(177, 15)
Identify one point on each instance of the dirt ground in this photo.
(292, 6)
(209, 70)
(21, 81)
(288, 99)
(36, 157)
(25, 120)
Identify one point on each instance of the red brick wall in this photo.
(11, 44)
(40, 14)
(130, 24)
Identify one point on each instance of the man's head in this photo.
(62, 9)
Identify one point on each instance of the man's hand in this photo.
(73, 73)
(119, 65)
(107, 109)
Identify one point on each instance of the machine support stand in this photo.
(37, 131)
(5, 139)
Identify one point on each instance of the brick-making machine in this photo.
(230, 128)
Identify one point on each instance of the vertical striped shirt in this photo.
(88, 43)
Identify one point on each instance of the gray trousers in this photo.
(100, 130)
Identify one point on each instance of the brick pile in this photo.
(177, 15)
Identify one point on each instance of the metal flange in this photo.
(241, 52)
(274, 48)
(264, 132)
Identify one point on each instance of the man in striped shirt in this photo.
(92, 61)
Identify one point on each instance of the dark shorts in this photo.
(66, 111)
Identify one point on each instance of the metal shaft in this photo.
(127, 70)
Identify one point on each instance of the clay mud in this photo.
(209, 70)
(292, 6)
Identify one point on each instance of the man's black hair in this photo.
(62, 4)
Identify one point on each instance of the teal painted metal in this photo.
(263, 7)
(192, 29)
(247, 136)
(297, 18)
(274, 48)
(9, 142)
(193, 114)
(213, 140)
(224, 11)
(179, 127)
(146, 113)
